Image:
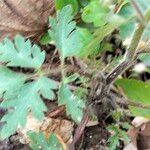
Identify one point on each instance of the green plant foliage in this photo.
(117, 134)
(21, 53)
(27, 99)
(38, 141)
(59, 4)
(84, 29)
(86, 38)
(100, 34)
(95, 13)
(83, 3)
(74, 106)
(63, 32)
(127, 29)
(10, 82)
(145, 58)
(143, 5)
(146, 34)
(45, 39)
(129, 13)
(136, 91)
(113, 142)
(68, 42)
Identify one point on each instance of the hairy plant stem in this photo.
(128, 61)
(129, 58)
(133, 48)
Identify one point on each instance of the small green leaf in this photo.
(102, 32)
(74, 106)
(54, 143)
(117, 134)
(136, 91)
(83, 3)
(63, 32)
(61, 3)
(38, 141)
(95, 12)
(126, 125)
(71, 78)
(86, 38)
(28, 99)
(21, 53)
(113, 142)
(45, 39)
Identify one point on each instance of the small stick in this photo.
(79, 130)
(56, 112)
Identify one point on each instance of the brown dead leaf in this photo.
(139, 121)
(61, 127)
(27, 17)
(139, 135)
(143, 140)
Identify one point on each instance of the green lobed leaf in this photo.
(74, 106)
(63, 32)
(28, 99)
(38, 141)
(117, 134)
(136, 91)
(21, 53)
(10, 82)
(113, 142)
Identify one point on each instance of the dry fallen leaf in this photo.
(28, 17)
(139, 135)
(61, 127)
(139, 121)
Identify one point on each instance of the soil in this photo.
(95, 138)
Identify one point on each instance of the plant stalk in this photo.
(129, 57)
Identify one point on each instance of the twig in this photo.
(79, 130)
(56, 112)
(129, 57)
